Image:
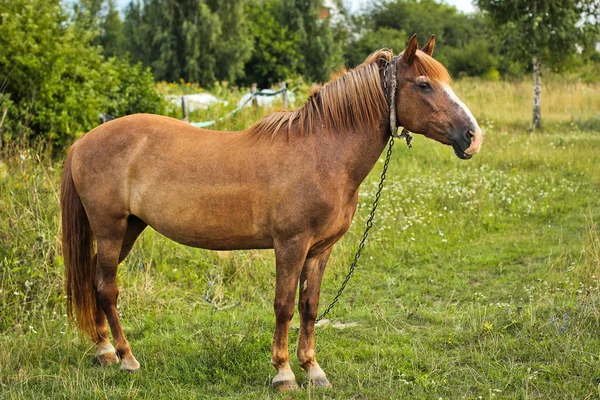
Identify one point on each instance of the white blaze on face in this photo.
(478, 134)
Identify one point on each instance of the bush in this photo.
(474, 59)
(55, 83)
(130, 89)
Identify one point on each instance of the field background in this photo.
(481, 279)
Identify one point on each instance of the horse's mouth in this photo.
(460, 153)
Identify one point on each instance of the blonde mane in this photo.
(352, 99)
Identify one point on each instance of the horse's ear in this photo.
(408, 55)
(428, 48)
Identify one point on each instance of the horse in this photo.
(290, 183)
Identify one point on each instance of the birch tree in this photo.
(544, 33)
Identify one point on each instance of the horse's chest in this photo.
(332, 224)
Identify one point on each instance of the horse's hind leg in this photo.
(310, 287)
(135, 227)
(109, 244)
(105, 351)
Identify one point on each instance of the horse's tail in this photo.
(78, 255)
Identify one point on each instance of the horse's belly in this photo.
(206, 217)
(226, 242)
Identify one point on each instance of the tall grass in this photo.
(481, 279)
(511, 103)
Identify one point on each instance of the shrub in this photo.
(54, 82)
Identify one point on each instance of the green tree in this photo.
(458, 35)
(129, 88)
(321, 52)
(356, 51)
(49, 71)
(139, 32)
(235, 42)
(186, 33)
(102, 18)
(185, 39)
(87, 13)
(542, 32)
(277, 53)
(112, 34)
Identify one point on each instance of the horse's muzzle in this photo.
(476, 140)
(467, 143)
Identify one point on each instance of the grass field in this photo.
(481, 279)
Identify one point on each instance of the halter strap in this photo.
(391, 100)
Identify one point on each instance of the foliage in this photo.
(235, 42)
(543, 32)
(321, 53)
(276, 54)
(357, 51)
(88, 13)
(55, 83)
(472, 59)
(459, 37)
(193, 40)
(52, 96)
(544, 29)
(129, 89)
(112, 35)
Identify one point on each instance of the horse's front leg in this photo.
(308, 303)
(289, 258)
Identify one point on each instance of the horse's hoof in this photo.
(107, 359)
(321, 382)
(105, 354)
(286, 386)
(130, 364)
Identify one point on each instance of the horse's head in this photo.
(427, 105)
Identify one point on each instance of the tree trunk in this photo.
(537, 94)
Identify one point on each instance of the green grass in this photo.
(481, 279)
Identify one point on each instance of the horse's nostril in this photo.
(469, 135)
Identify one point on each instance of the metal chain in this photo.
(368, 227)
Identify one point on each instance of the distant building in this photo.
(324, 12)
(330, 10)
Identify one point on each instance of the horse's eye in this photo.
(424, 85)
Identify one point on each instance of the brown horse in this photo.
(290, 182)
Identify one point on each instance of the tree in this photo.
(357, 51)
(321, 52)
(87, 13)
(235, 43)
(112, 35)
(138, 32)
(543, 32)
(186, 39)
(102, 18)
(459, 36)
(276, 55)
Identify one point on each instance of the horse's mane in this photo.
(352, 99)
(430, 67)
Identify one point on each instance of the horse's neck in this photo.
(356, 152)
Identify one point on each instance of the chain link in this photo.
(368, 227)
